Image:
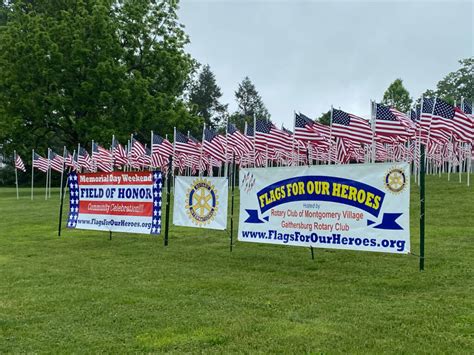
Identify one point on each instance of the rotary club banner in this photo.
(356, 207)
(200, 202)
(118, 201)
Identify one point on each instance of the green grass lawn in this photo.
(84, 293)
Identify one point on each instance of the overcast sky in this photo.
(309, 55)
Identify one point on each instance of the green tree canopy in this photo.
(73, 71)
(249, 104)
(325, 118)
(397, 96)
(204, 98)
(456, 85)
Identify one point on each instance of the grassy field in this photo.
(84, 293)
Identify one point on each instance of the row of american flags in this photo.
(390, 135)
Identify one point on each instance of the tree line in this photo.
(74, 71)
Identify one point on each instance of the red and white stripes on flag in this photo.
(238, 143)
(56, 162)
(40, 163)
(19, 163)
(351, 127)
(161, 150)
(391, 123)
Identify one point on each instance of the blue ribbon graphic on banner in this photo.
(324, 188)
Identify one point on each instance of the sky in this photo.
(308, 55)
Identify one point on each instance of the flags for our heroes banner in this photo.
(117, 201)
(356, 207)
(200, 202)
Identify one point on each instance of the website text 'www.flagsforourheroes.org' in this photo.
(113, 222)
(316, 240)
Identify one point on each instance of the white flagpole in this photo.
(16, 175)
(372, 114)
(293, 138)
(47, 176)
(32, 171)
(330, 138)
(174, 152)
(226, 152)
(254, 139)
(201, 152)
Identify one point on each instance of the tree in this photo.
(204, 98)
(456, 85)
(73, 71)
(249, 103)
(325, 118)
(397, 96)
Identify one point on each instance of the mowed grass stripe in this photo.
(84, 293)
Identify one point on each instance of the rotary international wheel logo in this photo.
(395, 180)
(201, 202)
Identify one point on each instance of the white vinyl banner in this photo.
(200, 202)
(356, 207)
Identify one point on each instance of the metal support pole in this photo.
(168, 197)
(61, 205)
(232, 205)
(422, 208)
(312, 252)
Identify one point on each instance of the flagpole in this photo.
(254, 139)
(50, 172)
(293, 138)
(174, 152)
(32, 171)
(47, 175)
(226, 162)
(16, 175)
(201, 150)
(62, 175)
(330, 137)
(112, 153)
(372, 114)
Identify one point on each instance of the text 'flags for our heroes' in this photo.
(118, 201)
(200, 202)
(356, 207)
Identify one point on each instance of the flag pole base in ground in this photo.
(422, 208)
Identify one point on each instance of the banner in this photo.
(118, 201)
(356, 207)
(200, 202)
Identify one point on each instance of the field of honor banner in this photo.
(356, 207)
(118, 201)
(200, 202)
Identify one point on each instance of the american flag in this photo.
(137, 149)
(40, 163)
(281, 139)
(84, 160)
(467, 107)
(102, 157)
(145, 160)
(119, 153)
(451, 119)
(392, 123)
(71, 161)
(162, 149)
(56, 162)
(349, 126)
(19, 163)
(308, 130)
(239, 143)
(212, 145)
(262, 133)
(426, 113)
(183, 144)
